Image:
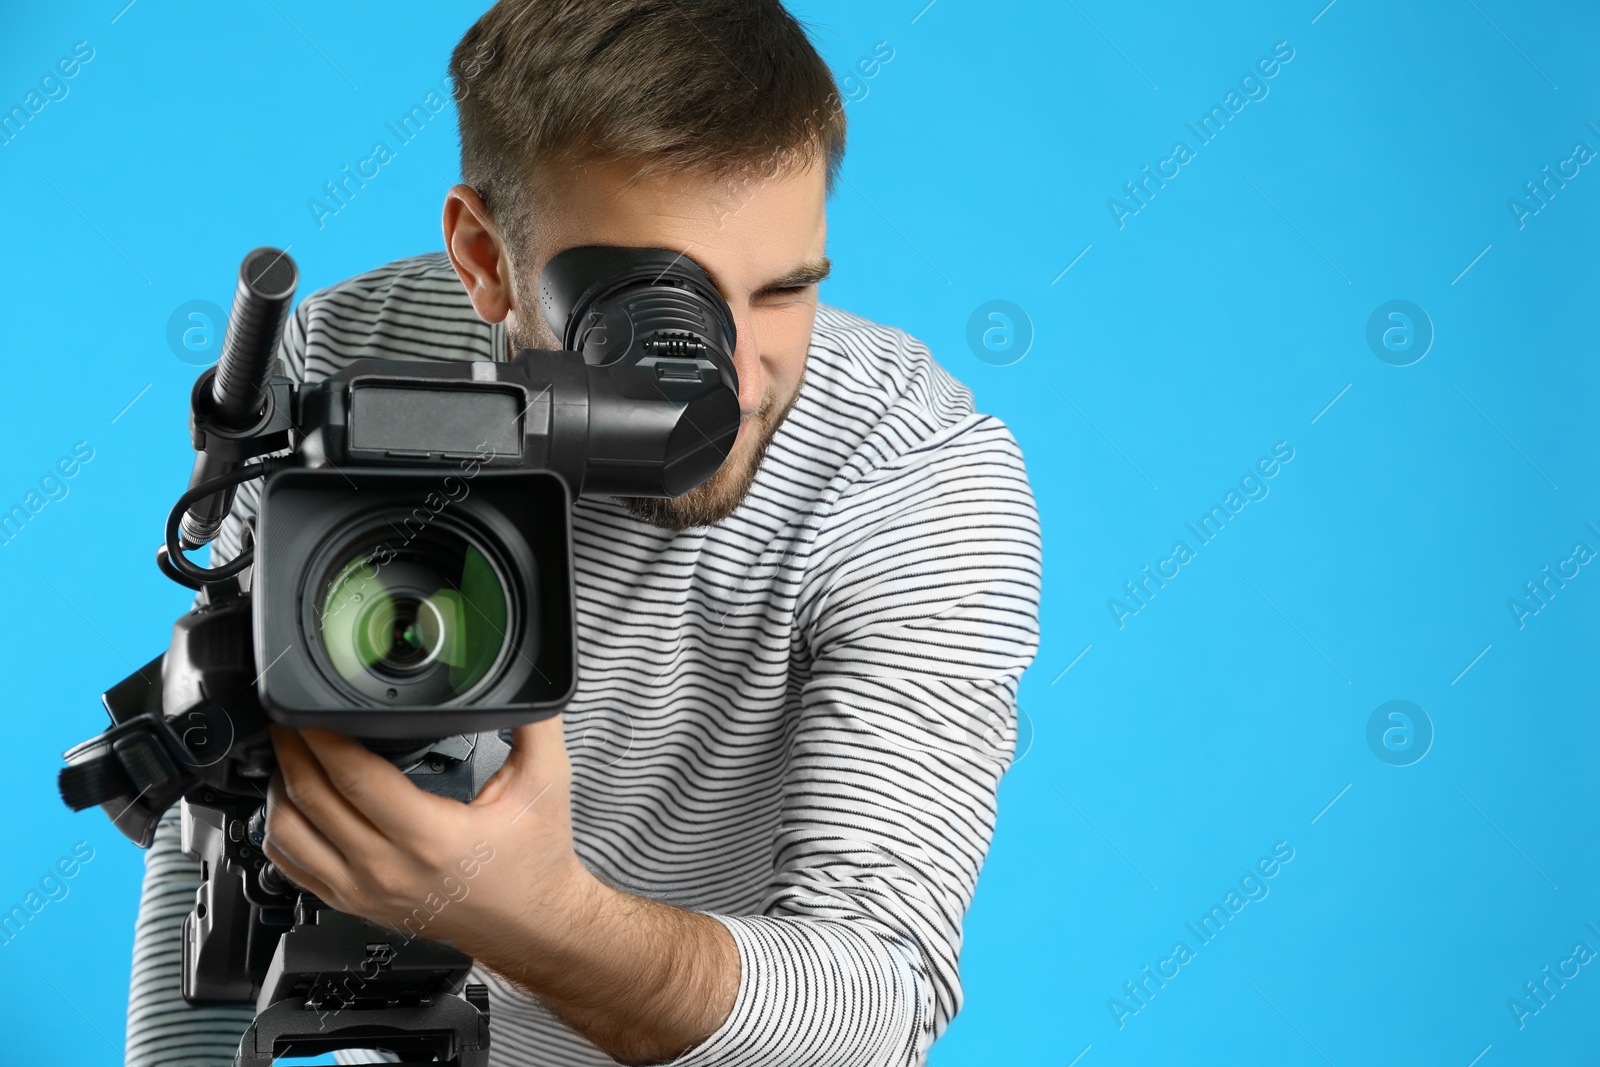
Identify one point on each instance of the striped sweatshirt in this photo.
(794, 721)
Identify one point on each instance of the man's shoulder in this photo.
(884, 407)
(427, 279)
(883, 369)
(922, 489)
(412, 308)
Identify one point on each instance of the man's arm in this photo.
(925, 620)
(920, 614)
(498, 879)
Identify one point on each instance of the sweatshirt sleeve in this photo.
(922, 617)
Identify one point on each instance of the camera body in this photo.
(407, 580)
(408, 575)
(425, 598)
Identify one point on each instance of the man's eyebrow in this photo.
(804, 274)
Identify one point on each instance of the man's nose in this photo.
(747, 363)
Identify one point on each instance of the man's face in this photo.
(761, 240)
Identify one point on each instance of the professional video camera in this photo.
(407, 580)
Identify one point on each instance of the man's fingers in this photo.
(298, 848)
(538, 757)
(373, 787)
(301, 877)
(307, 786)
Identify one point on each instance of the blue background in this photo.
(1224, 316)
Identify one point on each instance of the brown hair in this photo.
(724, 88)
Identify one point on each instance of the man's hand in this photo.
(642, 980)
(345, 824)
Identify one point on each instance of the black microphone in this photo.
(236, 399)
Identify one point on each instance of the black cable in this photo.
(170, 558)
(164, 564)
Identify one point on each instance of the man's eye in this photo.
(789, 290)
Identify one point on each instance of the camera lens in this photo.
(421, 624)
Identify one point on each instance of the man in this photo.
(752, 836)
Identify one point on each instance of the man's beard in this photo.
(720, 495)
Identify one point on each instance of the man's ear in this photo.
(477, 252)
